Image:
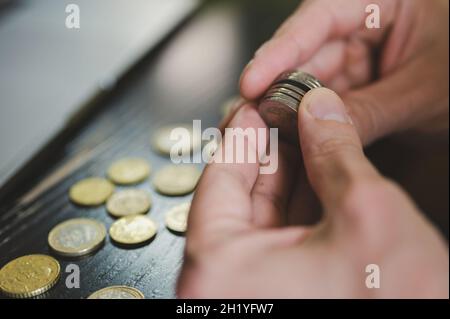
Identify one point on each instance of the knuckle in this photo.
(332, 147)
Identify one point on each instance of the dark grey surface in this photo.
(188, 78)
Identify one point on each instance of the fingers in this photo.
(225, 121)
(331, 148)
(399, 102)
(327, 62)
(300, 38)
(272, 192)
(341, 64)
(222, 204)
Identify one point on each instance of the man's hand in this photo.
(239, 246)
(409, 54)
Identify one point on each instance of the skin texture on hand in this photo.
(239, 244)
(392, 79)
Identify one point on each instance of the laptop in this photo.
(50, 66)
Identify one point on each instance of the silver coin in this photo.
(286, 91)
(117, 292)
(77, 237)
(279, 106)
(288, 86)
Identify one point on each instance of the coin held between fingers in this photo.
(279, 105)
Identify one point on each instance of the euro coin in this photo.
(176, 180)
(209, 150)
(133, 230)
(129, 202)
(92, 191)
(176, 217)
(182, 142)
(29, 276)
(77, 237)
(117, 292)
(279, 105)
(129, 171)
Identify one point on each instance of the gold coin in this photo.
(117, 292)
(129, 202)
(176, 180)
(92, 191)
(209, 150)
(176, 217)
(29, 276)
(77, 237)
(129, 171)
(132, 230)
(185, 144)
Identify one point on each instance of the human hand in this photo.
(409, 88)
(238, 245)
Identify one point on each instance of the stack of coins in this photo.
(280, 104)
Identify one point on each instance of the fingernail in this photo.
(324, 104)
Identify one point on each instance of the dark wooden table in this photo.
(187, 77)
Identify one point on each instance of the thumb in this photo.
(332, 151)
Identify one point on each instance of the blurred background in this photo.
(73, 100)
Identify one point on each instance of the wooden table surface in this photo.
(187, 77)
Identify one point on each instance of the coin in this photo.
(129, 202)
(117, 292)
(163, 143)
(92, 191)
(132, 230)
(176, 180)
(29, 276)
(176, 217)
(129, 171)
(77, 237)
(279, 106)
(209, 150)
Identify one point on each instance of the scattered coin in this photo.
(77, 237)
(176, 217)
(29, 276)
(133, 230)
(117, 292)
(163, 143)
(92, 191)
(129, 202)
(209, 150)
(176, 180)
(129, 171)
